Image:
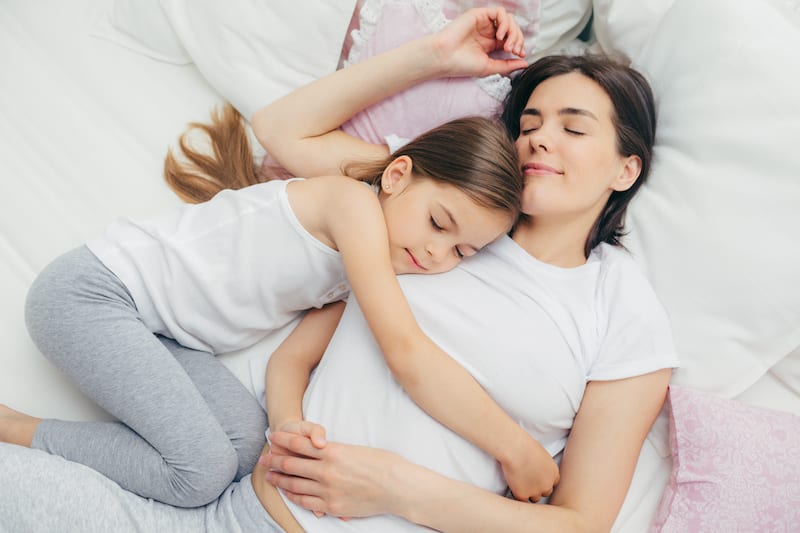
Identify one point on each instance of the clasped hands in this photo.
(347, 480)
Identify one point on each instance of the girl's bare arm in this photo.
(305, 122)
(433, 379)
(291, 364)
(597, 467)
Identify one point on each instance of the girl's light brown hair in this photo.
(475, 154)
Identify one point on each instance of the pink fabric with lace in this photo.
(736, 468)
(386, 25)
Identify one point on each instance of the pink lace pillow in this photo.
(381, 26)
(736, 468)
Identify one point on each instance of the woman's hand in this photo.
(340, 480)
(463, 46)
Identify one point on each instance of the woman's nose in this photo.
(539, 140)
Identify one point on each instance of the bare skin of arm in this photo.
(289, 368)
(596, 471)
(306, 120)
(347, 215)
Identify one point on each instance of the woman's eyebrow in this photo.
(566, 111)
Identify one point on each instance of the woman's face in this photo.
(568, 148)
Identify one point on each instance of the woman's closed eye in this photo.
(436, 225)
(574, 132)
(458, 252)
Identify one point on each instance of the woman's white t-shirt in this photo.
(532, 334)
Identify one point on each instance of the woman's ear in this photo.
(631, 169)
(397, 175)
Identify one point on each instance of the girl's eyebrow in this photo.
(566, 111)
(449, 215)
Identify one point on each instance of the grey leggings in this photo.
(187, 426)
(43, 493)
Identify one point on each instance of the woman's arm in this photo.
(351, 216)
(306, 120)
(596, 471)
(291, 364)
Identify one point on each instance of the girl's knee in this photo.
(203, 482)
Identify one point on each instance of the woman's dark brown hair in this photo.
(634, 121)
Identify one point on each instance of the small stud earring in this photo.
(387, 187)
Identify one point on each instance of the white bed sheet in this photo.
(84, 126)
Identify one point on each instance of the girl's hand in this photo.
(340, 480)
(314, 432)
(530, 471)
(463, 46)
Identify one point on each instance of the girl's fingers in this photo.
(296, 444)
(294, 466)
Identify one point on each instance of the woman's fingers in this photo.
(507, 31)
(501, 22)
(295, 485)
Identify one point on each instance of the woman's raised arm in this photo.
(300, 130)
(596, 471)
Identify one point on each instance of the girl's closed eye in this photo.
(435, 225)
(573, 131)
(459, 253)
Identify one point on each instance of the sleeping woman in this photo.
(556, 322)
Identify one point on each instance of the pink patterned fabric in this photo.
(736, 468)
(419, 108)
(424, 106)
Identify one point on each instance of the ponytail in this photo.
(231, 166)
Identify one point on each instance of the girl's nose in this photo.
(437, 250)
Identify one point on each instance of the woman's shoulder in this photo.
(635, 335)
(620, 270)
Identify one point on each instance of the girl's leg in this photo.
(234, 407)
(43, 493)
(83, 319)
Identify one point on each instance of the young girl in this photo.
(218, 276)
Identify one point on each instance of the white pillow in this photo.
(141, 26)
(255, 52)
(718, 225)
(250, 52)
(623, 27)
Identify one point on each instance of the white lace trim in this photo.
(432, 14)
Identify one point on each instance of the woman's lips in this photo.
(539, 169)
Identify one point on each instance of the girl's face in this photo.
(432, 225)
(568, 148)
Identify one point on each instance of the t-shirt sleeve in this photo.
(637, 336)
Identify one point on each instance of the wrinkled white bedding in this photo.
(84, 126)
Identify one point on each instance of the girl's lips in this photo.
(413, 260)
(539, 169)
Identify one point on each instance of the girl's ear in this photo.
(397, 175)
(629, 173)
